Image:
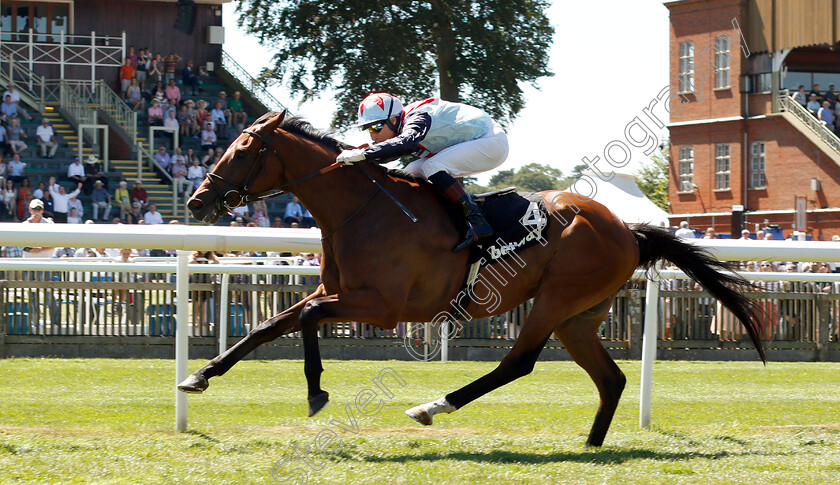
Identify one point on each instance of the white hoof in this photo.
(424, 413)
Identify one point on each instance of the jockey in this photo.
(450, 139)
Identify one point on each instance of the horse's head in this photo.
(240, 174)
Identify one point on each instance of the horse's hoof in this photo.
(194, 384)
(317, 403)
(420, 414)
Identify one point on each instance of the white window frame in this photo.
(685, 169)
(722, 166)
(722, 61)
(757, 164)
(686, 63)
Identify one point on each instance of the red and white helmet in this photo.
(378, 107)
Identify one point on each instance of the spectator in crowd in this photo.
(178, 170)
(745, 235)
(684, 231)
(152, 216)
(16, 136)
(38, 193)
(830, 96)
(710, 233)
(15, 95)
(169, 66)
(46, 138)
(173, 93)
(75, 202)
(158, 92)
(16, 169)
(260, 215)
(196, 173)
(132, 56)
(134, 96)
(202, 116)
(190, 77)
(123, 199)
(308, 220)
(126, 75)
(815, 91)
(163, 158)
(813, 105)
(76, 172)
(169, 121)
(36, 209)
(155, 75)
(73, 216)
(768, 236)
(61, 199)
(8, 109)
(185, 121)
(101, 200)
(138, 194)
(142, 68)
(3, 168)
(294, 212)
(208, 136)
(217, 115)
(237, 110)
(826, 115)
(135, 215)
(23, 197)
(10, 200)
(189, 157)
(155, 113)
(800, 97)
(93, 170)
(5, 147)
(49, 209)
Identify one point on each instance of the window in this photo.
(686, 76)
(18, 16)
(757, 179)
(722, 61)
(686, 169)
(721, 166)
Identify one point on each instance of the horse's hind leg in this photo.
(579, 335)
(280, 324)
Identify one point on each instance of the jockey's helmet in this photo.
(378, 107)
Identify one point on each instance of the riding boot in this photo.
(479, 228)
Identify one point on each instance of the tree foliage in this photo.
(652, 179)
(477, 52)
(533, 177)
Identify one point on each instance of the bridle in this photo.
(239, 191)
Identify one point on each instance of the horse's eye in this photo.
(241, 153)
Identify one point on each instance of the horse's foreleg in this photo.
(361, 305)
(517, 363)
(280, 324)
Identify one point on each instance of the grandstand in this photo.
(64, 60)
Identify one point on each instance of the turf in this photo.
(112, 421)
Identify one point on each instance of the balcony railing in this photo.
(789, 105)
(257, 89)
(94, 51)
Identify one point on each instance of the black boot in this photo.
(479, 228)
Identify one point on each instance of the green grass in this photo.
(112, 421)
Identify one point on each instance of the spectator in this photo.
(76, 172)
(800, 97)
(134, 96)
(3, 168)
(73, 216)
(202, 116)
(101, 200)
(126, 75)
(158, 92)
(93, 170)
(61, 199)
(185, 122)
(278, 222)
(169, 121)
(710, 233)
(831, 96)
(152, 216)
(49, 209)
(15, 170)
(196, 173)
(5, 147)
(826, 115)
(138, 194)
(15, 95)
(815, 91)
(135, 216)
(16, 136)
(169, 66)
(745, 235)
(684, 231)
(123, 199)
(162, 158)
(190, 77)
(10, 200)
(36, 208)
(207, 159)
(308, 220)
(294, 212)
(178, 169)
(217, 116)
(142, 68)
(75, 202)
(38, 193)
(208, 136)
(23, 197)
(173, 93)
(46, 138)
(189, 157)
(8, 109)
(155, 113)
(813, 105)
(260, 216)
(155, 75)
(237, 110)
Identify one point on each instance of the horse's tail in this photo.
(656, 243)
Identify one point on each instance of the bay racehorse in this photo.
(381, 268)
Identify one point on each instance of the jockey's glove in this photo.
(348, 157)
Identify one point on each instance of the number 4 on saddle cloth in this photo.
(518, 219)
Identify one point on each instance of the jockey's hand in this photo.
(348, 157)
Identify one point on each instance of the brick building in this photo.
(743, 153)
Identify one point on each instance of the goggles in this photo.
(375, 128)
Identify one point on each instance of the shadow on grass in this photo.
(600, 457)
(200, 434)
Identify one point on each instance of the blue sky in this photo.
(610, 59)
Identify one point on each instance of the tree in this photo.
(653, 179)
(532, 177)
(477, 52)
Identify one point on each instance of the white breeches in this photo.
(467, 158)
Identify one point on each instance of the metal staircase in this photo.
(807, 124)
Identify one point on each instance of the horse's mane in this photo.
(301, 127)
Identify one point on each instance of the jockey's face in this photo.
(386, 133)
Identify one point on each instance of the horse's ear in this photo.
(282, 116)
(274, 122)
